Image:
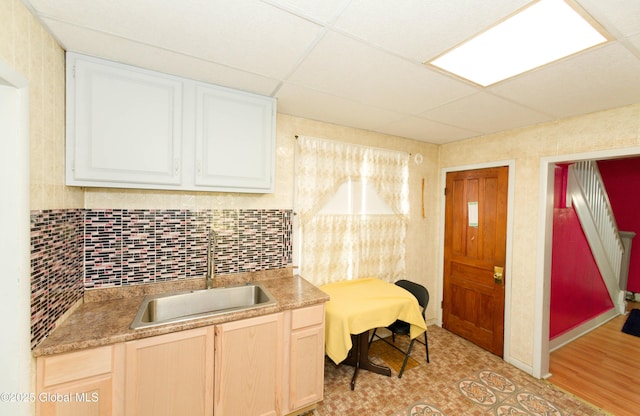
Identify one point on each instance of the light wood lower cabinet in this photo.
(306, 359)
(268, 365)
(170, 374)
(87, 383)
(248, 370)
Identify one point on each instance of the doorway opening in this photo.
(543, 274)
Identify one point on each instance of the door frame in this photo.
(15, 255)
(541, 348)
(510, 163)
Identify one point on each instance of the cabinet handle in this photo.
(176, 167)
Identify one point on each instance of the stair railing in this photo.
(586, 191)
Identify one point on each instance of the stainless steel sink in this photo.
(182, 306)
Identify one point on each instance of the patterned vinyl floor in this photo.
(461, 379)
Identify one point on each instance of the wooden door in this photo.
(474, 245)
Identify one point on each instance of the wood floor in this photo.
(602, 367)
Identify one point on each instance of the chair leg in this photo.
(373, 335)
(426, 345)
(406, 358)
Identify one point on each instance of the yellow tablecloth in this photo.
(359, 305)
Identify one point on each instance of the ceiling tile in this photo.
(426, 130)
(304, 102)
(348, 68)
(241, 34)
(605, 77)
(635, 43)
(324, 11)
(125, 51)
(621, 17)
(486, 113)
(418, 29)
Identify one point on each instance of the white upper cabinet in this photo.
(129, 127)
(234, 139)
(124, 126)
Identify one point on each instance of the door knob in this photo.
(498, 275)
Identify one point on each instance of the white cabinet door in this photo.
(129, 127)
(124, 125)
(235, 140)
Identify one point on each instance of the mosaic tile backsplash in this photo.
(56, 267)
(73, 250)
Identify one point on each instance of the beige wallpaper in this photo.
(615, 129)
(28, 48)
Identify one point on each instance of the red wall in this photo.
(578, 292)
(621, 178)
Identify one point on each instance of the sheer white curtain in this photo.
(350, 245)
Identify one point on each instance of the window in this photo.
(355, 197)
(352, 206)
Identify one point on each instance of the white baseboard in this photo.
(579, 331)
(520, 365)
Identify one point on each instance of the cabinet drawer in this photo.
(57, 369)
(312, 315)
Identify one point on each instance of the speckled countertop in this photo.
(106, 314)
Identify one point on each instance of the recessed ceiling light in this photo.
(543, 32)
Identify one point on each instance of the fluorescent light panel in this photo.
(544, 32)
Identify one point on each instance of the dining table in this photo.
(357, 306)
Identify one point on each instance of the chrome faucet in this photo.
(211, 265)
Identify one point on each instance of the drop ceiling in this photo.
(356, 63)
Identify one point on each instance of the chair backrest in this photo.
(420, 292)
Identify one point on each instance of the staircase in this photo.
(586, 192)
